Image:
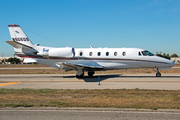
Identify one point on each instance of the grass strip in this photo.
(121, 98)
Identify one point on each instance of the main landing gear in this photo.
(90, 74)
(80, 76)
(80, 73)
(158, 74)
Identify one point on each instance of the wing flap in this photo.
(75, 66)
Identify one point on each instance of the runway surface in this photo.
(111, 81)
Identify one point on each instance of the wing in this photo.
(67, 66)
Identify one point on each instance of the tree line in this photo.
(167, 56)
(12, 60)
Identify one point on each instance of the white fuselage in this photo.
(109, 58)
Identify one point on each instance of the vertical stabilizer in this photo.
(17, 35)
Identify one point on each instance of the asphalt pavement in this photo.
(53, 114)
(110, 81)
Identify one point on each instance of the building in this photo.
(176, 60)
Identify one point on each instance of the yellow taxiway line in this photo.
(10, 83)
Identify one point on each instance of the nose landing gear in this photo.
(158, 74)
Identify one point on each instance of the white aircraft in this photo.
(84, 59)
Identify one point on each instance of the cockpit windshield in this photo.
(147, 53)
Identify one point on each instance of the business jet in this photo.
(84, 59)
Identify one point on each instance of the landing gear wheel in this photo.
(158, 74)
(80, 76)
(90, 74)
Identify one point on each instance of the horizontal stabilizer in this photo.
(17, 45)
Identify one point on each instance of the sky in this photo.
(153, 25)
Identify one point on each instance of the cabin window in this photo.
(90, 54)
(81, 54)
(99, 53)
(124, 53)
(107, 53)
(115, 53)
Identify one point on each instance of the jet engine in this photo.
(57, 52)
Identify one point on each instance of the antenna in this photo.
(91, 46)
(43, 37)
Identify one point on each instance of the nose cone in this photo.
(172, 63)
(165, 62)
(169, 63)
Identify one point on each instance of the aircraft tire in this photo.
(90, 74)
(80, 76)
(158, 74)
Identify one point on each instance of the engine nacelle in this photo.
(58, 52)
(61, 52)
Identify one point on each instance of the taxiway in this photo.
(85, 115)
(111, 81)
